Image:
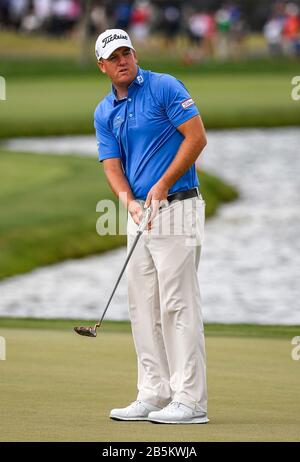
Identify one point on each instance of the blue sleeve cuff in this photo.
(185, 117)
(108, 156)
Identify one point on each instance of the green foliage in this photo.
(213, 189)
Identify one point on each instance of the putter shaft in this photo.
(89, 331)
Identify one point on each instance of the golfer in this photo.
(149, 136)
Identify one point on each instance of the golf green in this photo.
(56, 386)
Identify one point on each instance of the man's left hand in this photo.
(156, 195)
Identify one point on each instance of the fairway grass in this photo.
(65, 104)
(56, 386)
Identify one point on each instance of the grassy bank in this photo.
(27, 66)
(211, 329)
(61, 387)
(48, 209)
(57, 105)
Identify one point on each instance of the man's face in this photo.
(120, 66)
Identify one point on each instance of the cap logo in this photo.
(110, 38)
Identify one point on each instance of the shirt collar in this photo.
(137, 82)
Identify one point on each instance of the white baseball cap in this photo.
(109, 41)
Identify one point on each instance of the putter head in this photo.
(86, 331)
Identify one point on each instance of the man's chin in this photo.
(125, 79)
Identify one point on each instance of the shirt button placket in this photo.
(129, 100)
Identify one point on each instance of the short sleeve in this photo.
(106, 142)
(176, 100)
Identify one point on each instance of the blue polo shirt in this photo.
(141, 130)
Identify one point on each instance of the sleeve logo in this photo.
(187, 103)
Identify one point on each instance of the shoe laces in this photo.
(174, 404)
(136, 403)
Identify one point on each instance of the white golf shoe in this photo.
(138, 410)
(178, 413)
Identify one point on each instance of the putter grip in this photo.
(145, 220)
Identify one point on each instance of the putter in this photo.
(92, 331)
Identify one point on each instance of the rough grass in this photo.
(56, 386)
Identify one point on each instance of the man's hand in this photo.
(157, 193)
(136, 211)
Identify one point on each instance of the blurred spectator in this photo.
(99, 21)
(291, 30)
(170, 24)
(272, 32)
(202, 28)
(122, 14)
(56, 17)
(140, 20)
(195, 27)
(42, 9)
(4, 12)
(17, 10)
(65, 14)
(31, 22)
(223, 27)
(231, 29)
(238, 29)
(282, 30)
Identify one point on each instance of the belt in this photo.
(181, 195)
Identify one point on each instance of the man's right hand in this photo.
(136, 211)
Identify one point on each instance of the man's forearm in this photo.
(187, 154)
(119, 185)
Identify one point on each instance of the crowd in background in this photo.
(282, 29)
(210, 31)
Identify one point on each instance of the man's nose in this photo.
(122, 59)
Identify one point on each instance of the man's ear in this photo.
(101, 66)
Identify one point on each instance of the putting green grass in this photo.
(212, 329)
(48, 209)
(56, 386)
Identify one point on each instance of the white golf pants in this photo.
(165, 306)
